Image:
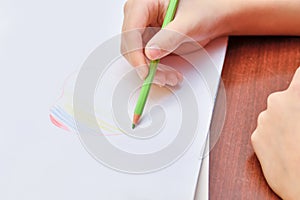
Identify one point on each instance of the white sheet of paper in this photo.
(41, 43)
(216, 50)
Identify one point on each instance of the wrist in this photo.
(228, 18)
(263, 17)
(235, 17)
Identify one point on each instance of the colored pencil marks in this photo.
(62, 114)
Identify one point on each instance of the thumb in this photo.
(164, 41)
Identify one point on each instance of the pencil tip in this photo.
(133, 126)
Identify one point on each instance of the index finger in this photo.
(137, 17)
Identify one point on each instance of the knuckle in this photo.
(127, 5)
(273, 98)
(270, 99)
(255, 140)
(261, 118)
(295, 89)
(128, 58)
(122, 50)
(297, 73)
(254, 137)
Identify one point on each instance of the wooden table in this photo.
(254, 68)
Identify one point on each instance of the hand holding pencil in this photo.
(139, 14)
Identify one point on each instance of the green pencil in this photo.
(152, 69)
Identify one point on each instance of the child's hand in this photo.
(276, 141)
(202, 20)
(198, 19)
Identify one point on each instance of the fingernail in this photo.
(153, 52)
(142, 71)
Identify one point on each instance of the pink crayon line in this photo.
(57, 123)
(52, 118)
(62, 126)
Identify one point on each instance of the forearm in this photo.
(263, 17)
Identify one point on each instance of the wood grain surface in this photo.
(254, 68)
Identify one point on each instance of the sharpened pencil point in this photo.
(133, 126)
